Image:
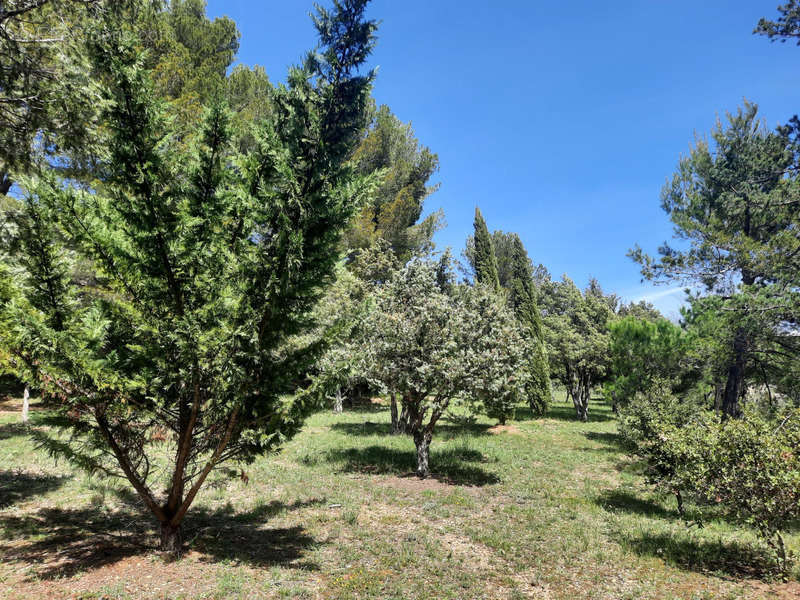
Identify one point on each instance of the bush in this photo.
(753, 469)
(749, 466)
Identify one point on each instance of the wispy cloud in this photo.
(658, 295)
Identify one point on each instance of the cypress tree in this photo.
(485, 260)
(522, 299)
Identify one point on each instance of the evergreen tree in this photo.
(393, 214)
(206, 264)
(485, 261)
(736, 203)
(522, 298)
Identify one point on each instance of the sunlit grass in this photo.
(550, 509)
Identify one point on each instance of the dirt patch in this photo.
(14, 405)
(779, 591)
(412, 483)
(498, 429)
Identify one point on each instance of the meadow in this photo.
(541, 508)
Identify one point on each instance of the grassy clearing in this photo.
(549, 508)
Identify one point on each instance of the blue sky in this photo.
(560, 120)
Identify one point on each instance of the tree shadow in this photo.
(599, 412)
(604, 437)
(19, 485)
(446, 465)
(61, 543)
(223, 535)
(625, 501)
(12, 430)
(445, 430)
(728, 557)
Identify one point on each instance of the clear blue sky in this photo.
(560, 120)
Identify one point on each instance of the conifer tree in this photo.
(205, 263)
(485, 260)
(522, 298)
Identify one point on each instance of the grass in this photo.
(551, 508)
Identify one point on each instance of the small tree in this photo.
(643, 352)
(576, 330)
(206, 263)
(433, 345)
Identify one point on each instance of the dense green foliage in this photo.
(201, 272)
(484, 261)
(432, 344)
(392, 214)
(642, 354)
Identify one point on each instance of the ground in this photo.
(542, 508)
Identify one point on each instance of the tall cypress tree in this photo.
(485, 260)
(522, 299)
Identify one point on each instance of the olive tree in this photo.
(433, 343)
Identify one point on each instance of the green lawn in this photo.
(548, 509)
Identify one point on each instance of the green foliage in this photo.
(748, 466)
(733, 201)
(522, 299)
(392, 214)
(48, 98)
(643, 352)
(432, 344)
(752, 467)
(205, 264)
(484, 262)
(787, 26)
(576, 333)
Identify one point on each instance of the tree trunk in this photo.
(171, 538)
(404, 421)
(734, 386)
(422, 440)
(26, 400)
(5, 184)
(338, 401)
(393, 407)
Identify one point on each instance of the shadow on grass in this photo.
(61, 543)
(621, 500)
(599, 412)
(444, 430)
(18, 485)
(446, 465)
(727, 557)
(12, 430)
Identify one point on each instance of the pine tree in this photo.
(522, 298)
(205, 264)
(485, 260)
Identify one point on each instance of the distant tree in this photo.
(47, 97)
(737, 204)
(641, 310)
(643, 352)
(207, 263)
(503, 245)
(576, 330)
(485, 262)
(393, 214)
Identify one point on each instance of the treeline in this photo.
(195, 258)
